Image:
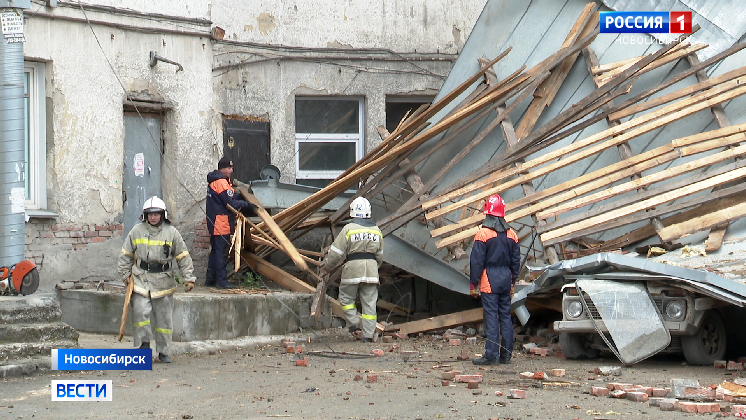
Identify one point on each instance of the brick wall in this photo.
(43, 233)
(201, 250)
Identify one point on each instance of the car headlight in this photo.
(574, 309)
(675, 310)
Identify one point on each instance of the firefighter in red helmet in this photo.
(494, 265)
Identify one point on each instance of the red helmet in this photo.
(495, 206)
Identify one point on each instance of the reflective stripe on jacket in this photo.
(356, 238)
(147, 243)
(220, 220)
(495, 260)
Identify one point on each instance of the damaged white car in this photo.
(636, 308)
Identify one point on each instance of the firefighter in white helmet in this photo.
(149, 254)
(360, 247)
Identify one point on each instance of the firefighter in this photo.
(360, 247)
(494, 265)
(149, 254)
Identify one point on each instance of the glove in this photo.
(188, 286)
(473, 291)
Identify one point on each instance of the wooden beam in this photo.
(444, 321)
(706, 221)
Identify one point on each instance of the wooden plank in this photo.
(551, 237)
(680, 109)
(706, 221)
(444, 321)
(669, 173)
(391, 307)
(287, 246)
(674, 56)
(603, 68)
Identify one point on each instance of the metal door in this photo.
(142, 164)
(246, 143)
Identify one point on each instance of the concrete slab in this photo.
(199, 315)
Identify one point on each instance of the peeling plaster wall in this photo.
(400, 25)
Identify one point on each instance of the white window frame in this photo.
(37, 137)
(358, 139)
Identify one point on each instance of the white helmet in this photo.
(154, 205)
(360, 207)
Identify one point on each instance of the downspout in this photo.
(12, 144)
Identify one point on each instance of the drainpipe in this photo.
(12, 143)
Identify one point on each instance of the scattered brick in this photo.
(371, 378)
(541, 376)
(607, 370)
(654, 401)
(358, 378)
(465, 355)
(517, 394)
(637, 396)
(720, 364)
(669, 404)
(738, 409)
(734, 366)
(526, 375)
(400, 336)
(468, 378)
(289, 349)
(301, 362)
(617, 394)
(598, 391)
(687, 407)
(377, 352)
(290, 344)
(700, 392)
(447, 375)
(387, 339)
(557, 373)
(445, 383)
(708, 407)
(618, 386)
(471, 341)
(410, 353)
(299, 349)
(472, 384)
(538, 351)
(454, 342)
(661, 392)
(498, 394)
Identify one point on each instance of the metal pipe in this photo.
(12, 151)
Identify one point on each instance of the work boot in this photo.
(145, 345)
(353, 329)
(505, 360)
(367, 340)
(486, 361)
(163, 358)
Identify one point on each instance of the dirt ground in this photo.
(260, 381)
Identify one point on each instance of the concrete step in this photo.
(24, 367)
(16, 351)
(29, 309)
(36, 333)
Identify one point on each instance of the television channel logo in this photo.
(81, 390)
(646, 22)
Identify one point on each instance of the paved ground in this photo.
(256, 379)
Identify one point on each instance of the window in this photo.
(399, 106)
(328, 138)
(35, 136)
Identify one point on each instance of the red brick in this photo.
(558, 373)
(447, 375)
(617, 386)
(445, 383)
(377, 352)
(738, 409)
(498, 394)
(539, 352)
(714, 407)
(105, 233)
(733, 366)
(55, 227)
(301, 362)
(454, 342)
(618, 394)
(47, 235)
(289, 349)
(468, 378)
(540, 376)
(655, 401)
(97, 240)
(526, 375)
(517, 394)
(687, 407)
(598, 391)
(387, 339)
(465, 355)
(76, 234)
(358, 378)
(637, 396)
(90, 234)
(371, 378)
(400, 336)
(472, 384)
(669, 404)
(661, 392)
(299, 349)
(721, 364)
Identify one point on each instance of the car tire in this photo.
(577, 346)
(708, 343)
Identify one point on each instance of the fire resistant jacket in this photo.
(154, 245)
(359, 237)
(495, 260)
(220, 220)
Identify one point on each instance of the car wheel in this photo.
(577, 346)
(708, 344)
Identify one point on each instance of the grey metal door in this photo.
(142, 164)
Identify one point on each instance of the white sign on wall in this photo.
(139, 164)
(12, 26)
